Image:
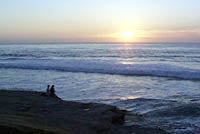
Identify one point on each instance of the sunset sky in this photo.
(99, 21)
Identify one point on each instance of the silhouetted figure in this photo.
(52, 91)
(48, 90)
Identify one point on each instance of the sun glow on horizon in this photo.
(127, 36)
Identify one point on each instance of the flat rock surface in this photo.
(25, 112)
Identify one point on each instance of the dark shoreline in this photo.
(28, 112)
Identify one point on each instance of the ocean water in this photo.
(159, 81)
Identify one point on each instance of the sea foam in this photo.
(105, 67)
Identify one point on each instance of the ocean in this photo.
(159, 81)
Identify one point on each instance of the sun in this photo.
(127, 36)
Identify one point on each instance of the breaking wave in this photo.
(105, 67)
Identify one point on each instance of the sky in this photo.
(38, 21)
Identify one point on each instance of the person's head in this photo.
(48, 86)
(52, 86)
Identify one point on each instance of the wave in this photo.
(105, 67)
(18, 55)
(160, 107)
(172, 116)
(86, 55)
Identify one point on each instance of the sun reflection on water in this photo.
(127, 62)
(129, 97)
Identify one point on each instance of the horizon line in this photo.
(99, 42)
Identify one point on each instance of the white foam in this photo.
(105, 67)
